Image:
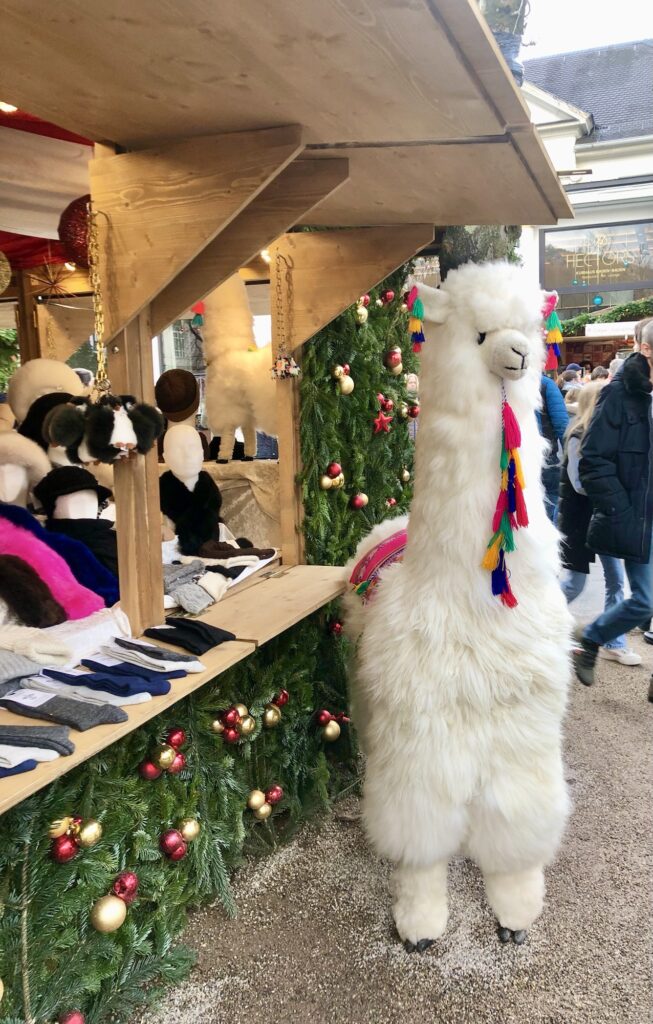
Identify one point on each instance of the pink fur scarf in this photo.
(77, 601)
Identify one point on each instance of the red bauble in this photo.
(171, 841)
(358, 501)
(413, 411)
(365, 300)
(334, 469)
(387, 405)
(336, 628)
(73, 231)
(180, 852)
(231, 717)
(71, 1017)
(230, 735)
(323, 717)
(148, 770)
(274, 794)
(393, 358)
(281, 698)
(177, 765)
(63, 849)
(126, 886)
(345, 369)
(391, 502)
(388, 295)
(176, 738)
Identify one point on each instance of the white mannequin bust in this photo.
(14, 484)
(79, 505)
(183, 453)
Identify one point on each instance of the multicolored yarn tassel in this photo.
(415, 324)
(553, 331)
(510, 512)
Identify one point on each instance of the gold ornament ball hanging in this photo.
(405, 476)
(346, 385)
(246, 726)
(263, 812)
(326, 483)
(361, 314)
(271, 716)
(396, 370)
(59, 827)
(255, 799)
(190, 829)
(331, 731)
(338, 371)
(242, 710)
(217, 726)
(2, 990)
(164, 756)
(90, 833)
(402, 411)
(108, 914)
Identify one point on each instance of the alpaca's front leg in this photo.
(517, 898)
(420, 904)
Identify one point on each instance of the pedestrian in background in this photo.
(600, 373)
(553, 420)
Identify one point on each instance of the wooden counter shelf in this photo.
(262, 609)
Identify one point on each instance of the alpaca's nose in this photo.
(522, 356)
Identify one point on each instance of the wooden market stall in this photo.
(218, 129)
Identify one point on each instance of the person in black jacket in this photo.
(615, 471)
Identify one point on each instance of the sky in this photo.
(557, 26)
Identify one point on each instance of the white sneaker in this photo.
(620, 654)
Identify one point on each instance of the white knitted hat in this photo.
(39, 377)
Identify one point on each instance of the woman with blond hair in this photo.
(574, 512)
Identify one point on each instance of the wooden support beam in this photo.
(29, 343)
(163, 206)
(291, 504)
(297, 189)
(328, 270)
(136, 487)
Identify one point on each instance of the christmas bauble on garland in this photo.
(71, 1017)
(172, 844)
(125, 886)
(70, 834)
(359, 500)
(190, 828)
(271, 716)
(235, 723)
(108, 913)
(63, 849)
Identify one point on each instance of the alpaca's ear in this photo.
(435, 302)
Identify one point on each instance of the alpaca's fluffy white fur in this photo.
(239, 389)
(457, 699)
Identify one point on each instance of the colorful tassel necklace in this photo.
(553, 331)
(415, 324)
(510, 512)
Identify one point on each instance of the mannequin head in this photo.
(79, 505)
(183, 453)
(14, 484)
(22, 465)
(70, 492)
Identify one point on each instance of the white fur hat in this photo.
(40, 377)
(16, 450)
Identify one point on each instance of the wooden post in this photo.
(28, 333)
(136, 487)
(290, 465)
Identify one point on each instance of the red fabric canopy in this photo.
(28, 123)
(24, 251)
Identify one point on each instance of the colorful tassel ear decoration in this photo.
(415, 324)
(553, 331)
(510, 512)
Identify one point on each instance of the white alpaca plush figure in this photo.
(239, 389)
(458, 698)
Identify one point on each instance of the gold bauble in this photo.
(263, 812)
(361, 314)
(402, 411)
(90, 833)
(331, 731)
(217, 726)
(405, 476)
(337, 372)
(242, 710)
(255, 799)
(246, 726)
(59, 827)
(364, 500)
(108, 914)
(2, 988)
(346, 385)
(164, 756)
(396, 370)
(190, 829)
(339, 481)
(271, 716)
(326, 483)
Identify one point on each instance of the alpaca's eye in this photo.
(481, 337)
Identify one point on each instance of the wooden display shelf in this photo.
(268, 606)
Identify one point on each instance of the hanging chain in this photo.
(284, 364)
(102, 382)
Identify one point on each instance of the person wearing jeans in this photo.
(616, 472)
(553, 420)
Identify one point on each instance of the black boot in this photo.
(650, 691)
(584, 657)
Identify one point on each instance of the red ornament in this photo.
(358, 501)
(73, 231)
(148, 770)
(413, 411)
(334, 469)
(63, 849)
(71, 1017)
(230, 735)
(126, 886)
(393, 358)
(336, 628)
(388, 296)
(273, 795)
(382, 423)
(323, 717)
(176, 738)
(387, 405)
(281, 698)
(231, 717)
(171, 841)
(391, 502)
(365, 300)
(345, 369)
(180, 852)
(178, 764)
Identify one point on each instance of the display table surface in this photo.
(279, 599)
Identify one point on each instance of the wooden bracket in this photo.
(161, 207)
(296, 190)
(328, 270)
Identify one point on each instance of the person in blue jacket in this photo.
(553, 420)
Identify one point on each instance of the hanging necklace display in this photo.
(102, 384)
(284, 365)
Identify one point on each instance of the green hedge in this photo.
(628, 311)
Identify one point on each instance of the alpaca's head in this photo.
(495, 311)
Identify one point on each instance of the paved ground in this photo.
(314, 941)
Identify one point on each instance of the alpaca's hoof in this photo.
(519, 937)
(418, 947)
(409, 946)
(505, 934)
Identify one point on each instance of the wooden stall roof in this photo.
(414, 94)
(282, 600)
